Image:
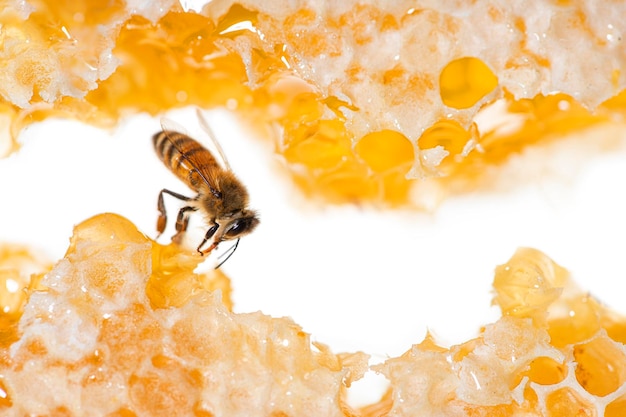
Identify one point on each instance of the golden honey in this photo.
(542, 374)
(123, 326)
(237, 56)
(368, 101)
(149, 322)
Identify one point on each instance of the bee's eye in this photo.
(236, 228)
(240, 227)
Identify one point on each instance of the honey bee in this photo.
(221, 197)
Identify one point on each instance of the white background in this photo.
(356, 278)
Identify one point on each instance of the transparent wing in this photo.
(195, 163)
(218, 148)
(168, 125)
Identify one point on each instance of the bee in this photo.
(221, 197)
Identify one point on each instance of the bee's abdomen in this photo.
(184, 156)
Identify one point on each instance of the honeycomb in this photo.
(556, 351)
(366, 103)
(122, 326)
(367, 100)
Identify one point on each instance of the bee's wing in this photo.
(168, 125)
(197, 162)
(218, 148)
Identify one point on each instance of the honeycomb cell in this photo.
(452, 137)
(616, 408)
(601, 366)
(183, 47)
(157, 396)
(385, 150)
(565, 402)
(321, 145)
(464, 81)
(119, 333)
(447, 133)
(349, 182)
(545, 371)
(580, 324)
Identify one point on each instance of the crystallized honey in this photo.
(520, 365)
(123, 326)
(132, 330)
(368, 100)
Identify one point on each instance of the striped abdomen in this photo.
(187, 158)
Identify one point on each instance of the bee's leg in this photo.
(162, 220)
(182, 221)
(209, 234)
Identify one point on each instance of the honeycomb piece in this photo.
(515, 367)
(122, 326)
(328, 78)
(114, 329)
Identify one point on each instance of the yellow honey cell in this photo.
(385, 150)
(463, 82)
(350, 182)
(546, 371)
(447, 133)
(192, 68)
(616, 408)
(321, 145)
(450, 135)
(567, 403)
(581, 323)
(601, 366)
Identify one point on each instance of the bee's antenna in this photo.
(229, 251)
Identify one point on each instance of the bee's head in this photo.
(240, 224)
(231, 227)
